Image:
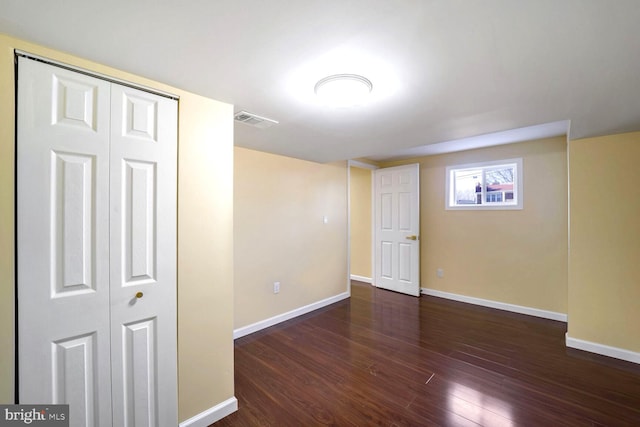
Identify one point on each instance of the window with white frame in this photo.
(487, 185)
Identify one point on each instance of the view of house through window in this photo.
(496, 185)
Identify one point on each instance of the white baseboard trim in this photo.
(605, 350)
(263, 324)
(361, 278)
(497, 304)
(211, 415)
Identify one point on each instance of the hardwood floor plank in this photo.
(387, 359)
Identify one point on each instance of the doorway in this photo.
(384, 226)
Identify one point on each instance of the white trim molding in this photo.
(211, 415)
(530, 311)
(263, 324)
(605, 350)
(361, 278)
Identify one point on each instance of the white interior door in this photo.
(397, 229)
(96, 224)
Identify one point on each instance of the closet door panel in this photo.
(63, 241)
(143, 202)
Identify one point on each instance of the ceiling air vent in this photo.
(254, 120)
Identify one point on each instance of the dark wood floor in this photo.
(386, 359)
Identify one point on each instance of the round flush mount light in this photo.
(343, 90)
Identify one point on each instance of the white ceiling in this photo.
(442, 70)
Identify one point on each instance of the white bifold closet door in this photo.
(96, 248)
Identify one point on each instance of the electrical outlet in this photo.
(276, 287)
(440, 273)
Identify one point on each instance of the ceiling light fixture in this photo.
(343, 90)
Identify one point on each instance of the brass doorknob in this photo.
(139, 295)
(412, 237)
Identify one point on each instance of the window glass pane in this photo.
(499, 184)
(467, 183)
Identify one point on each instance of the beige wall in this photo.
(360, 205)
(279, 204)
(7, 223)
(604, 267)
(205, 254)
(512, 256)
(205, 239)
